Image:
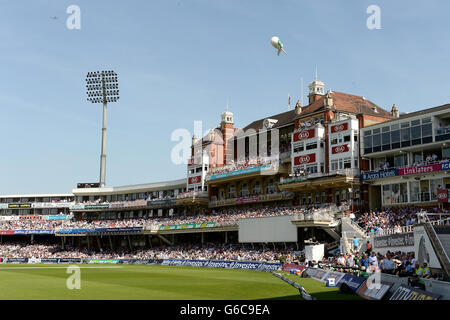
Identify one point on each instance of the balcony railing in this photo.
(348, 172)
(192, 194)
(252, 198)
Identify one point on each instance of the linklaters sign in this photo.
(395, 240)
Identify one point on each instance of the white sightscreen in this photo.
(268, 229)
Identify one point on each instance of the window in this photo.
(376, 140)
(334, 140)
(405, 134)
(415, 123)
(334, 165)
(347, 163)
(395, 127)
(347, 138)
(257, 188)
(387, 194)
(417, 157)
(386, 138)
(311, 145)
(395, 136)
(355, 137)
(379, 163)
(426, 130)
(367, 133)
(416, 132)
(405, 125)
(395, 193)
(446, 153)
(299, 147)
(426, 120)
(403, 193)
(270, 187)
(414, 190)
(244, 190)
(385, 129)
(231, 193)
(434, 185)
(311, 168)
(343, 195)
(368, 142)
(376, 131)
(400, 161)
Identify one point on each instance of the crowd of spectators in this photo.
(243, 164)
(224, 216)
(228, 252)
(397, 263)
(429, 159)
(393, 219)
(93, 224)
(389, 219)
(30, 224)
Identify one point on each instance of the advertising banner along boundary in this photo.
(407, 293)
(248, 265)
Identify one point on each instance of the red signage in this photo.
(419, 169)
(194, 180)
(442, 195)
(339, 127)
(309, 158)
(303, 135)
(247, 200)
(291, 266)
(6, 231)
(340, 149)
(30, 217)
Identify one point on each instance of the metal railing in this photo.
(423, 163)
(356, 226)
(191, 194)
(410, 228)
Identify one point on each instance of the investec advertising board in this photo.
(248, 265)
(372, 175)
(395, 240)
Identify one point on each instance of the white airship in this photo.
(276, 43)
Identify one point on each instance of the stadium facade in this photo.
(333, 150)
(339, 153)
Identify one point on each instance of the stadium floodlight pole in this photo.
(102, 87)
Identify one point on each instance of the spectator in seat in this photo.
(365, 261)
(373, 262)
(387, 264)
(357, 260)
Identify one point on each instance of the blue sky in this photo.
(179, 61)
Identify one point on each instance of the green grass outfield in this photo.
(149, 282)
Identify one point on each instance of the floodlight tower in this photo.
(102, 87)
